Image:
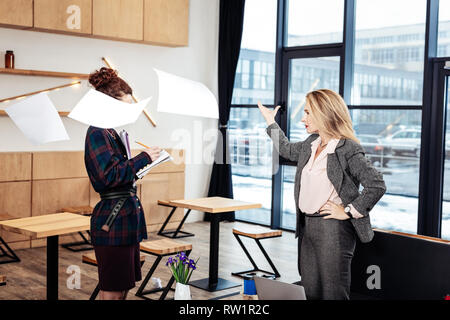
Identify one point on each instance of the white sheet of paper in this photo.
(38, 119)
(100, 110)
(183, 96)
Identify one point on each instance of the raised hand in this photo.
(268, 114)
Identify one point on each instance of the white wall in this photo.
(46, 51)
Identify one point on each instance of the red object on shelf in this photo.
(447, 297)
(9, 59)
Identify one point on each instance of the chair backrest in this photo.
(401, 266)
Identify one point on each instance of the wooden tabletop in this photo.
(214, 204)
(47, 225)
(164, 246)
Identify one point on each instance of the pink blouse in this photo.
(315, 187)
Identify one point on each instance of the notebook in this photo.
(164, 156)
(268, 289)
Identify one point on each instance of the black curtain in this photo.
(230, 34)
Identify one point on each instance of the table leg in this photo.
(213, 282)
(52, 267)
(214, 250)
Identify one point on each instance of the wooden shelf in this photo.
(61, 113)
(45, 73)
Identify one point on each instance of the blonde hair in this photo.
(330, 112)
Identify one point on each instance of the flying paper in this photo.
(183, 96)
(100, 110)
(38, 119)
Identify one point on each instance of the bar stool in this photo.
(257, 234)
(173, 234)
(160, 248)
(90, 259)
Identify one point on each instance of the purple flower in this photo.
(183, 256)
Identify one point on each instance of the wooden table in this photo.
(85, 244)
(49, 226)
(216, 206)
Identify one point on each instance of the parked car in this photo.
(375, 151)
(404, 142)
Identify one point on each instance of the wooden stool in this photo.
(85, 244)
(173, 234)
(7, 254)
(257, 234)
(89, 258)
(160, 248)
(2, 280)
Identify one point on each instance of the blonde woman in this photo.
(331, 212)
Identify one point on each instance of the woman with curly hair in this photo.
(112, 175)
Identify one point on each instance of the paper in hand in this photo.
(164, 156)
(183, 96)
(100, 110)
(38, 119)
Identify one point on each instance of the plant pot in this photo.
(182, 292)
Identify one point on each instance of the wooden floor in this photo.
(26, 280)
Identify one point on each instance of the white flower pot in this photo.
(182, 292)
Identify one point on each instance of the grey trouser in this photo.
(325, 256)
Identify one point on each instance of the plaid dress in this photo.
(109, 170)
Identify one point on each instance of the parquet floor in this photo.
(26, 280)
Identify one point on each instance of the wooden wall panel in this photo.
(49, 196)
(61, 181)
(118, 19)
(15, 166)
(161, 186)
(166, 22)
(57, 165)
(64, 15)
(17, 13)
(15, 200)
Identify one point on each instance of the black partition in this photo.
(410, 267)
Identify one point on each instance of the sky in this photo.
(321, 16)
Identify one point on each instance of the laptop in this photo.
(268, 289)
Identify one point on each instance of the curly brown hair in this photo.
(106, 81)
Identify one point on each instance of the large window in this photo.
(389, 47)
(250, 147)
(255, 73)
(391, 139)
(444, 29)
(314, 22)
(379, 68)
(251, 162)
(445, 225)
(305, 75)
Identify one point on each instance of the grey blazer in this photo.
(347, 168)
